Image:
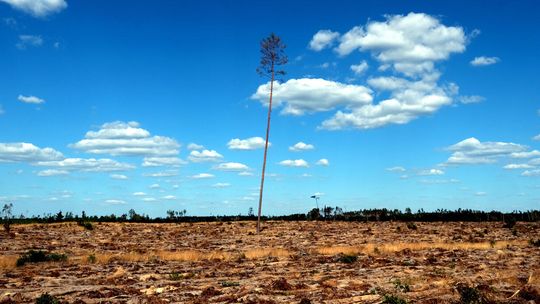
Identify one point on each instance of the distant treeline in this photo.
(324, 214)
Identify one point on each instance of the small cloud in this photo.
(202, 176)
(396, 169)
(231, 167)
(149, 199)
(30, 99)
(26, 41)
(323, 39)
(431, 172)
(301, 146)
(294, 163)
(154, 186)
(119, 176)
(245, 173)
(483, 61)
(139, 194)
(480, 193)
(221, 185)
(359, 69)
(251, 143)
(537, 137)
(518, 166)
(38, 8)
(535, 172)
(194, 146)
(52, 172)
(323, 162)
(162, 174)
(169, 197)
(471, 99)
(115, 202)
(204, 156)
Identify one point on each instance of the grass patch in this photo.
(347, 258)
(392, 299)
(47, 299)
(229, 284)
(39, 256)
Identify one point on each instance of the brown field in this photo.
(290, 262)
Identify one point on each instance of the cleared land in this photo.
(290, 262)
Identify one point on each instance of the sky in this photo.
(107, 106)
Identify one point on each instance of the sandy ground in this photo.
(290, 262)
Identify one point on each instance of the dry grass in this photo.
(7, 262)
(396, 247)
(266, 252)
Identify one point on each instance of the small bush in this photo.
(401, 286)
(470, 295)
(347, 258)
(86, 225)
(391, 299)
(229, 284)
(92, 258)
(509, 222)
(175, 276)
(535, 242)
(412, 226)
(47, 299)
(38, 256)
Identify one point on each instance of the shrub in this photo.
(38, 256)
(47, 299)
(86, 225)
(92, 258)
(509, 222)
(470, 295)
(535, 242)
(391, 299)
(412, 226)
(347, 258)
(401, 286)
(229, 284)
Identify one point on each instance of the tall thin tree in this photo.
(272, 56)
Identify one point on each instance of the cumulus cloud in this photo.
(204, 156)
(397, 169)
(530, 173)
(119, 176)
(537, 137)
(30, 99)
(471, 99)
(231, 166)
(38, 8)
(86, 165)
(473, 151)
(360, 68)
(162, 161)
(115, 202)
(251, 143)
(528, 154)
(202, 176)
(483, 61)
(301, 146)
(323, 162)
(194, 146)
(52, 172)
(126, 138)
(323, 39)
(431, 172)
(294, 163)
(27, 152)
(518, 166)
(310, 95)
(26, 41)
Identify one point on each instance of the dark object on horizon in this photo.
(272, 55)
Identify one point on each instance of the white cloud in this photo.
(294, 163)
(149, 199)
(518, 166)
(439, 181)
(529, 173)
(119, 176)
(431, 172)
(38, 8)
(245, 173)
(139, 194)
(301, 146)
(204, 156)
(194, 146)
(87, 165)
(323, 39)
(471, 99)
(410, 43)
(528, 154)
(52, 172)
(359, 69)
(27, 152)
(221, 185)
(251, 143)
(472, 151)
(323, 162)
(30, 99)
(115, 202)
(480, 193)
(162, 174)
(231, 167)
(162, 161)
(26, 41)
(537, 137)
(310, 95)
(121, 138)
(154, 186)
(202, 176)
(483, 61)
(169, 197)
(396, 169)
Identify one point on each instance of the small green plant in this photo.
(470, 295)
(86, 225)
(411, 226)
(175, 276)
(38, 256)
(347, 258)
(92, 258)
(47, 299)
(392, 299)
(401, 286)
(229, 284)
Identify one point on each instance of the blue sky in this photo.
(112, 105)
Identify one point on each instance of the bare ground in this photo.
(290, 262)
